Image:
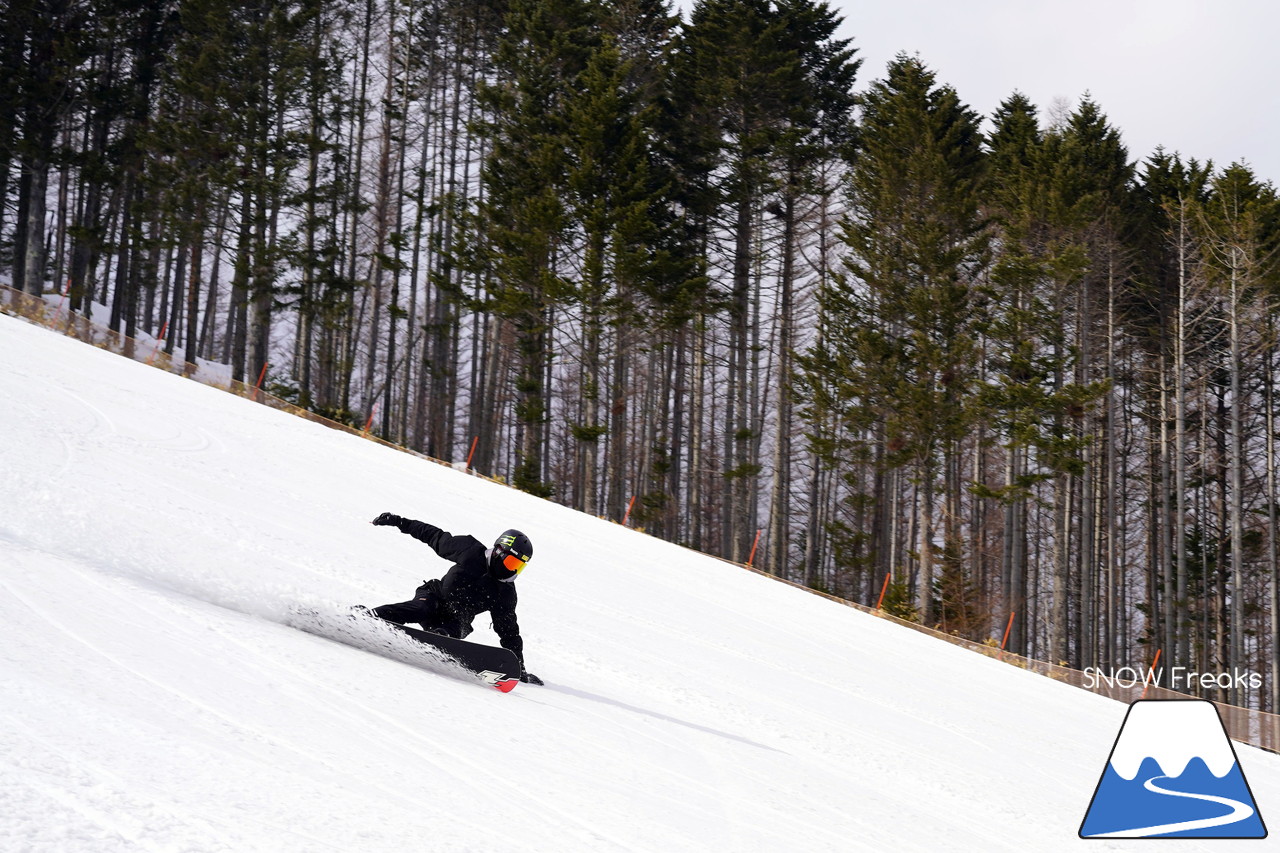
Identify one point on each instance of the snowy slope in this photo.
(154, 533)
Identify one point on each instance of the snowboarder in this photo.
(481, 579)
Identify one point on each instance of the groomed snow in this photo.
(155, 532)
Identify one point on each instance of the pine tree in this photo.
(620, 204)
(818, 131)
(908, 312)
(1030, 395)
(1173, 194)
(544, 53)
(221, 137)
(323, 292)
(1242, 241)
(752, 79)
(12, 35)
(1092, 203)
(43, 80)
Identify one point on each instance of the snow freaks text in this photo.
(1173, 678)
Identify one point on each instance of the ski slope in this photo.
(154, 534)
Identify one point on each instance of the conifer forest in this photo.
(711, 275)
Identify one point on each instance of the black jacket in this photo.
(468, 589)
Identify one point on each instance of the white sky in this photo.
(1197, 77)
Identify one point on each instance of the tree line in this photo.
(700, 275)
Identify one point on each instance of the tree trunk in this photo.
(1273, 560)
(193, 289)
(1235, 465)
(738, 445)
(33, 250)
(1182, 651)
(780, 500)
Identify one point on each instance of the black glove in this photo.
(530, 678)
(387, 520)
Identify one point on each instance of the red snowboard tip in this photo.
(506, 685)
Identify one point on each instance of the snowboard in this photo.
(493, 665)
(497, 667)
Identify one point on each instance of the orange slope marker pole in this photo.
(155, 352)
(1007, 627)
(262, 374)
(1152, 671)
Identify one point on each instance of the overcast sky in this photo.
(1201, 77)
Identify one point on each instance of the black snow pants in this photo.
(426, 609)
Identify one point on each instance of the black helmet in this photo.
(511, 553)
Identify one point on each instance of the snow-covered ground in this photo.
(154, 534)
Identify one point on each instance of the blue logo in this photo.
(1173, 773)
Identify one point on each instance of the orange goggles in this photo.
(512, 563)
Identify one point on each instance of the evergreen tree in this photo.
(323, 292)
(1242, 243)
(1091, 207)
(754, 83)
(43, 79)
(817, 132)
(12, 36)
(661, 286)
(540, 61)
(730, 75)
(1030, 395)
(620, 201)
(908, 312)
(223, 137)
(1171, 197)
